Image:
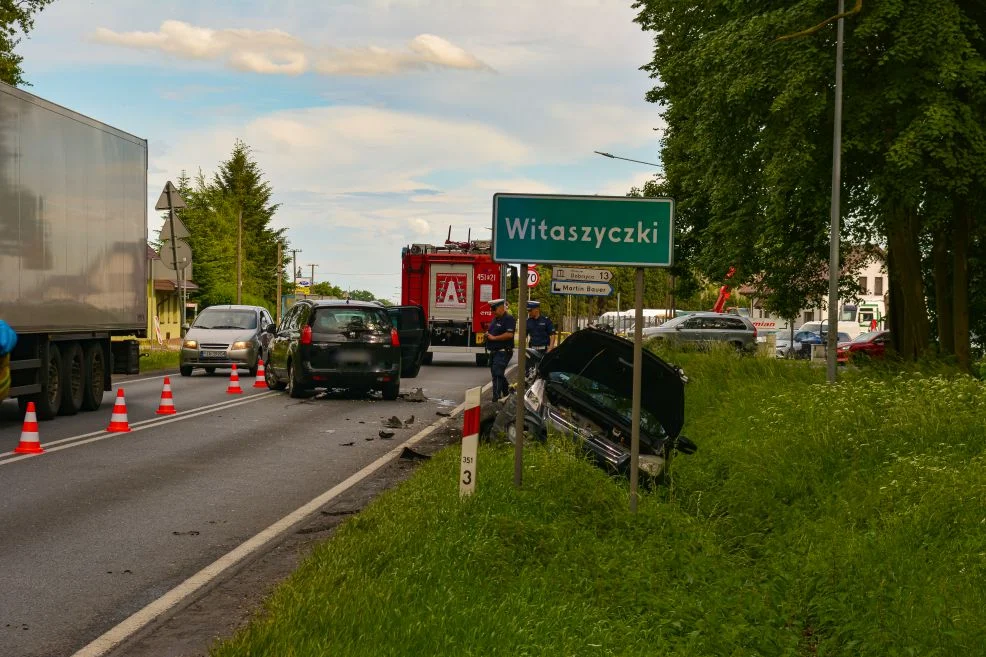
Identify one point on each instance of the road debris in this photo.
(416, 395)
(409, 454)
(408, 422)
(394, 423)
(386, 435)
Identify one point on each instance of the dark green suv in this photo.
(357, 345)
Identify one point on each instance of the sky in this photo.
(378, 123)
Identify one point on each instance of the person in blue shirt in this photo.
(500, 344)
(8, 340)
(540, 330)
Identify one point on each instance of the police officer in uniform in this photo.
(540, 330)
(500, 344)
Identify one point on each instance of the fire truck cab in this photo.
(454, 284)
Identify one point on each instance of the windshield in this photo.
(226, 319)
(343, 319)
(865, 337)
(677, 320)
(609, 399)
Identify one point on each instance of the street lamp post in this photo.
(833, 336)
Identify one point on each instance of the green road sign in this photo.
(589, 230)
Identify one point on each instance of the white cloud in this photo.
(277, 52)
(419, 226)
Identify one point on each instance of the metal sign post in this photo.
(521, 379)
(638, 366)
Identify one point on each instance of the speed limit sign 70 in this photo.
(533, 277)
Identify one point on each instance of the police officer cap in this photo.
(497, 302)
(531, 305)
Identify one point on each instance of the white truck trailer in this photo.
(73, 251)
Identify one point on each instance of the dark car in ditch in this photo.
(583, 389)
(355, 345)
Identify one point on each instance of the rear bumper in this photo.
(336, 378)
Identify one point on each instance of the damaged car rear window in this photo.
(343, 319)
(608, 399)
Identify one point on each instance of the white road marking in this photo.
(96, 436)
(168, 604)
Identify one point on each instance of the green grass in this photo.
(814, 520)
(158, 359)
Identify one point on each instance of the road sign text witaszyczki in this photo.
(601, 230)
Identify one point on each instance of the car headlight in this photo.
(241, 345)
(191, 344)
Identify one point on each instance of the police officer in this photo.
(8, 340)
(500, 344)
(540, 330)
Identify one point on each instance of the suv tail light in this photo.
(306, 335)
(395, 338)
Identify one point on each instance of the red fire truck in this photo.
(454, 283)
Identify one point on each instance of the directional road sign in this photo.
(581, 275)
(594, 230)
(582, 289)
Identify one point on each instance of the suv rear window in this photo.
(342, 319)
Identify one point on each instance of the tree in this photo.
(16, 22)
(212, 217)
(747, 151)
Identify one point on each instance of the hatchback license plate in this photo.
(213, 354)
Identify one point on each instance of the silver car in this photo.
(707, 327)
(223, 335)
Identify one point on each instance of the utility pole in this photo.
(280, 277)
(239, 259)
(311, 282)
(294, 266)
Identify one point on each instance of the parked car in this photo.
(346, 344)
(801, 347)
(583, 389)
(706, 328)
(872, 345)
(222, 336)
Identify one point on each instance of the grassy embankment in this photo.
(813, 520)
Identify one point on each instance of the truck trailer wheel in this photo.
(73, 382)
(427, 360)
(95, 359)
(49, 400)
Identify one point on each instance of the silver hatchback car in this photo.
(708, 327)
(223, 335)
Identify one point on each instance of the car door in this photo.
(278, 351)
(414, 335)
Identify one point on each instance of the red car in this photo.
(872, 345)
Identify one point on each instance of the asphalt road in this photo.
(103, 524)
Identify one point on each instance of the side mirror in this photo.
(270, 328)
(678, 327)
(514, 278)
(184, 329)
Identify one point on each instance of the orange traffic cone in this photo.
(234, 383)
(118, 421)
(30, 438)
(167, 406)
(261, 380)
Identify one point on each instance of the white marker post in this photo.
(470, 442)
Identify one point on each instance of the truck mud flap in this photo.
(126, 357)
